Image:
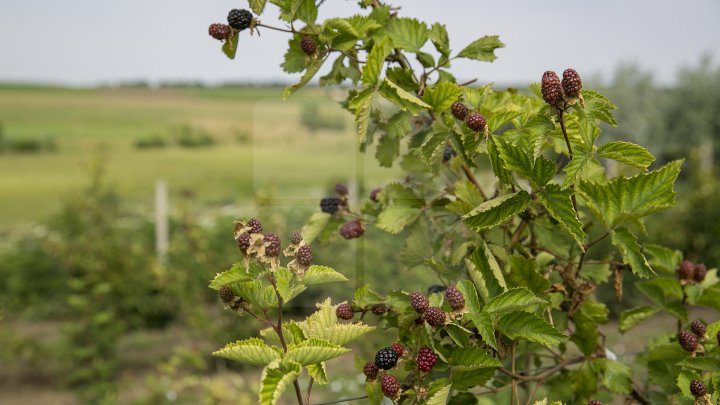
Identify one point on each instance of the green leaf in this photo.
(342, 334)
(318, 372)
(388, 149)
(524, 273)
(306, 11)
(364, 296)
(236, 273)
(314, 351)
(631, 252)
(494, 212)
(321, 275)
(251, 351)
(616, 376)
(662, 258)
(559, 205)
(230, 46)
(375, 61)
(394, 219)
(628, 153)
(295, 58)
(530, 327)
(257, 293)
(710, 297)
(468, 291)
(442, 95)
(361, 105)
(401, 98)
(701, 363)
(624, 199)
(631, 317)
(598, 106)
(472, 358)
(498, 166)
(439, 36)
(666, 293)
(538, 171)
(472, 378)
(315, 225)
(310, 72)
(575, 167)
(287, 285)
(257, 6)
(275, 379)
(486, 274)
(407, 33)
(484, 324)
(438, 392)
(482, 49)
(516, 299)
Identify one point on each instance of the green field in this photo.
(260, 145)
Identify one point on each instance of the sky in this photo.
(89, 42)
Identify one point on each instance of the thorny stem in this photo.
(570, 152)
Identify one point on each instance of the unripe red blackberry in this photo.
(389, 386)
(435, 316)
(455, 298)
(386, 358)
(571, 83)
(448, 153)
(371, 371)
(475, 121)
(296, 238)
(425, 359)
(399, 349)
(459, 110)
(686, 270)
(255, 226)
(697, 388)
(374, 194)
(239, 19)
(551, 88)
(687, 340)
(243, 242)
(352, 229)
(226, 294)
(220, 32)
(330, 205)
(379, 309)
(341, 189)
(304, 255)
(344, 311)
(700, 272)
(419, 302)
(308, 45)
(272, 245)
(698, 328)
(594, 402)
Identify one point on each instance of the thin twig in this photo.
(309, 390)
(470, 176)
(542, 376)
(570, 152)
(338, 401)
(514, 397)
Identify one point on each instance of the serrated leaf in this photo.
(230, 46)
(482, 49)
(701, 363)
(401, 98)
(616, 376)
(468, 291)
(484, 324)
(321, 274)
(314, 226)
(310, 72)
(439, 36)
(257, 6)
(364, 296)
(306, 11)
(257, 293)
(394, 219)
(530, 327)
(524, 273)
(275, 379)
(318, 372)
(498, 166)
(341, 334)
(575, 167)
(295, 58)
(631, 317)
(472, 358)
(631, 252)
(538, 171)
(472, 378)
(288, 286)
(598, 106)
(512, 300)
(710, 297)
(375, 61)
(624, 199)
(442, 95)
(314, 351)
(559, 205)
(250, 351)
(235, 274)
(407, 33)
(388, 149)
(494, 212)
(438, 392)
(628, 153)
(361, 105)
(662, 258)
(486, 274)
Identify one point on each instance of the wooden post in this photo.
(162, 236)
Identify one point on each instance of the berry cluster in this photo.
(594, 402)
(296, 238)
(399, 349)
(352, 229)
(379, 309)
(555, 92)
(304, 255)
(371, 371)
(455, 298)
(689, 272)
(255, 226)
(425, 359)
(272, 245)
(374, 194)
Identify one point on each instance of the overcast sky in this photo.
(84, 42)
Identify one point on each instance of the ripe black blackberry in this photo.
(272, 245)
(243, 242)
(698, 328)
(379, 309)
(459, 110)
(425, 359)
(296, 238)
(687, 340)
(594, 402)
(341, 189)
(699, 272)
(308, 45)
(344, 311)
(475, 121)
(330, 204)
(352, 229)
(240, 19)
(220, 32)
(571, 83)
(551, 88)
(386, 358)
(419, 302)
(374, 194)
(448, 153)
(226, 294)
(255, 226)
(371, 371)
(304, 255)
(686, 271)
(455, 298)
(399, 349)
(390, 386)
(697, 388)
(435, 316)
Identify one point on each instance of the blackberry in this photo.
(330, 205)
(455, 298)
(436, 288)
(308, 45)
(594, 402)
(551, 88)
(296, 238)
(686, 270)
(459, 110)
(352, 229)
(425, 359)
(304, 255)
(698, 328)
(571, 83)
(220, 32)
(386, 358)
(374, 194)
(475, 121)
(272, 245)
(243, 242)
(435, 316)
(240, 19)
(399, 349)
(379, 309)
(341, 189)
(419, 302)
(255, 226)
(371, 371)
(697, 388)
(226, 294)
(390, 386)
(448, 153)
(687, 341)
(699, 273)
(344, 311)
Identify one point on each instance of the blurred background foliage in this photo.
(91, 314)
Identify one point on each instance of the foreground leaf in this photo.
(313, 351)
(494, 212)
(631, 252)
(275, 379)
(530, 327)
(251, 351)
(516, 299)
(628, 153)
(559, 204)
(482, 49)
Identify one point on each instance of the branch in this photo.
(338, 401)
(309, 389)
(570, 152)
(470, 176)
(279, 330)
(542, 376)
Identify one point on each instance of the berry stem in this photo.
(570, 152)
(470, 176)
(309, 389)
